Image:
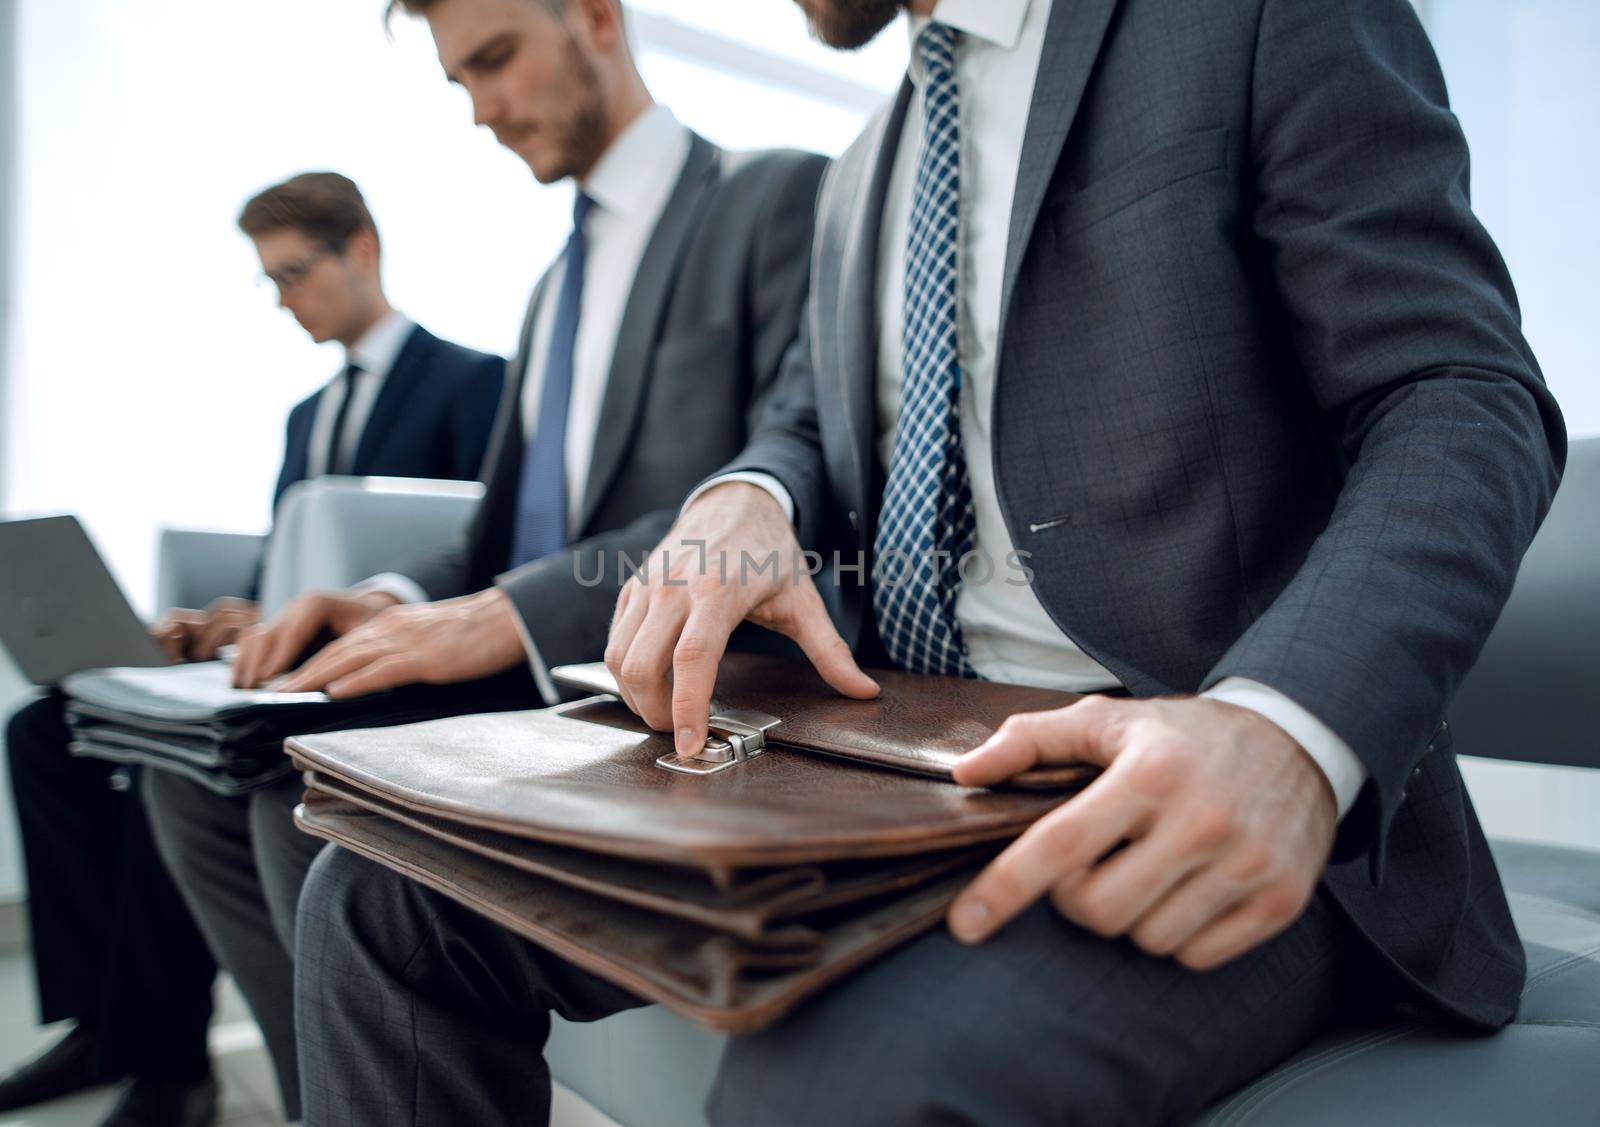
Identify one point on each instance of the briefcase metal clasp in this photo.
(733, 735)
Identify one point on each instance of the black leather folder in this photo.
(190, 719)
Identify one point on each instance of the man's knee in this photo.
(353, 908)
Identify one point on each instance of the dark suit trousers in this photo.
(240, 863)
(413, 1010)
(113, 946)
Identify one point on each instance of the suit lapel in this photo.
(405, 373)
(297, 447)
(855, 308)
(1072, 41)
(641, 321)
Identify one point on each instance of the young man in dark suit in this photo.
(648, 347)
(114, 948)
(1186, 301)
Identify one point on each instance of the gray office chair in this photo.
(195, 566)
(335, 531)
(330, 532)
(1533, 696)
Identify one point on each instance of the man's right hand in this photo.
(709, 574)
(271, 648)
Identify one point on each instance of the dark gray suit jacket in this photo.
(1263, 407)
(714, 307)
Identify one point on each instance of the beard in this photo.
(581, 132)
(849, 24)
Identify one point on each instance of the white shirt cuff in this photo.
(393, 583)
(1345, 772)
(536, 666)
(765, 480)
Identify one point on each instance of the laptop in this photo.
(60, 609)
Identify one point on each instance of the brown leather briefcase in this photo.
(812, 835)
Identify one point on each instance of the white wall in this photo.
(1522, 79)
(12, 688)
(152, 378)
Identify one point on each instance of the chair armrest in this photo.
(194, 566)
(336, 531)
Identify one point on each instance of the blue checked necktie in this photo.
(927, 501)
(541, 527)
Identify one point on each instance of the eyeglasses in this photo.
(295, 273)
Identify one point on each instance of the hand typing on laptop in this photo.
(273, 647)
(381, 645)
(198, 635)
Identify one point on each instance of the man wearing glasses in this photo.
(115, 949)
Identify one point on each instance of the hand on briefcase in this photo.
(813, 834)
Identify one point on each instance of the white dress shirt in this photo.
(630, 185)
(1009, 635)
(374, 354)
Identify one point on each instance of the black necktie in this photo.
(347, 379)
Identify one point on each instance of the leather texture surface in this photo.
(1542, 1070)
(728, 897)
(753, 904)
(595, 787)
(917, 723)
(585, 775)
(713, 978)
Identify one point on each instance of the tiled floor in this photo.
(248, 1095)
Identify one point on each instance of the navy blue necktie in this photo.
(927, 523)
(541, 527)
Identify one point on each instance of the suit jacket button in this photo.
(855, 521)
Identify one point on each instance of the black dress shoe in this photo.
(166, 1103)
(70, 1065)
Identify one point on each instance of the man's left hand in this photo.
(436, 643)
(197, 635)
(1205, 835)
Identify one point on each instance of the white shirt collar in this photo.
(627, 177)
(378, 347)
(995, 21)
